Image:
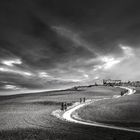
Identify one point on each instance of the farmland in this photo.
(28, 116)
(120, 112)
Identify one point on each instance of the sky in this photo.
(51, 44)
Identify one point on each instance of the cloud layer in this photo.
(50, 43)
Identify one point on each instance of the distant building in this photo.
(133, 83)
(110, 82)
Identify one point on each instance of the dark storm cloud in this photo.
(29, 36)
(103, 23)
(66, 38)
(98, 21)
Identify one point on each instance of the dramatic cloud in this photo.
(55, 44)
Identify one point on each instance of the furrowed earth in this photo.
(28, 116)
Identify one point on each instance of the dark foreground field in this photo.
(28, 117)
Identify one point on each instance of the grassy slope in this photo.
(122, 111)
(29, 117)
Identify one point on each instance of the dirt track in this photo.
(72, 116)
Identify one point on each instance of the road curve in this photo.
(69, 115)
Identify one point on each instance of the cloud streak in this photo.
(11, 62)
(15, 71)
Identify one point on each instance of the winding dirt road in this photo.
(71, 116)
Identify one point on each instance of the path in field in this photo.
(34, 110)
(70, 115)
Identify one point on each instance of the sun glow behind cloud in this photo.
(124, 66)
(107, 62)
